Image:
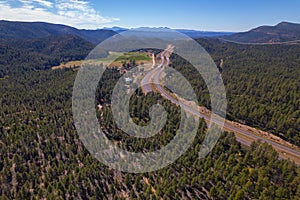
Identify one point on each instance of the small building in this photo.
(128, 80)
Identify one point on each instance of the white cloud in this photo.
(73, 5)
(44, 3)
(2, 2)
(77, 13)
(81, 10)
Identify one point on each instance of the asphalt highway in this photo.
(241, 133)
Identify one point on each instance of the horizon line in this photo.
(150, 26)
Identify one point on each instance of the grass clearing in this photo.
(114, 58)
(134, 56)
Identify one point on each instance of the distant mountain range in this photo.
(29, 30)
(116, 29)
(188, 32)
(282, 32)
(201, 34)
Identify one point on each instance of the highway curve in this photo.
(243, 136)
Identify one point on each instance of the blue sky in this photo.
(220, 15)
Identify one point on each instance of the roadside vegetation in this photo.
(41, 155)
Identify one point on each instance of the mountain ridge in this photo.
(189, 32)
(280, 33)
(30, 30)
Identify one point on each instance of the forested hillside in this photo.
(282, 32)
(42, 156)
(18, 55)
(262, 84)
(31, 30)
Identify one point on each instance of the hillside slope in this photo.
(40, 53)
(282, 32)
(27, 30)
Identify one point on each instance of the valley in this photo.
(43, 157)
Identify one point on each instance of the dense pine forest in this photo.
(42, 156)
(262, 84)
(21, 55)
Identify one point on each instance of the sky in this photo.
(213, 15)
